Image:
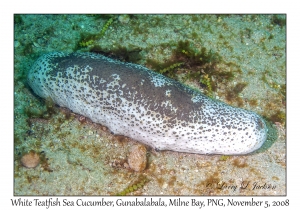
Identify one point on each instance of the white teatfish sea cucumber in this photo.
(134, 101)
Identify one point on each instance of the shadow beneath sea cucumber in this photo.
(272, 136)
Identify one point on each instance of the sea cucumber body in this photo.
(134, 101)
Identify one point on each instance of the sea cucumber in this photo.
(134, 101)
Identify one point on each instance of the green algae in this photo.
(138, 184)
(200, 65)
(88, 40)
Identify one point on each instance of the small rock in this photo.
(17, 44)
(30, 160)
(124, 19)
(137, 158)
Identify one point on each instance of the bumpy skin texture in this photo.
(134, 101)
